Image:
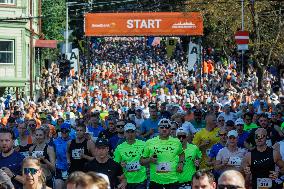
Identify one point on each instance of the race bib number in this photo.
(37, 154)
(235, 161)
(263, 183)
(76, 153)
(163, 168)
(26, 154)
(134, 166)
(64, 175)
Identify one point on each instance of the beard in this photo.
(6, 149)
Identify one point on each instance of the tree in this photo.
(53, 24)
(263, 19)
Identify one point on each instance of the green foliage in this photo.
(53, 22)
(263, 19)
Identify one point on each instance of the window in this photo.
(7, 51)
(7, 1)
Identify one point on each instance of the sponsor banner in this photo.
(144, 24)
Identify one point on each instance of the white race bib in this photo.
(134, 166)
(64, 174)
(76, 153)
(264, 183)
(235, 161)
(37, 154)
(163, 167)
(26, 154)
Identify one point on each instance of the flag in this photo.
(153, 41)
(156, 41)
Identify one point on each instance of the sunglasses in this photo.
(259, 137)
(173, 129)
(119, 126)
(228, 186)
(222, 134)
(221, 120)
(31, 171)
(130, 131)
(164, 127)
(181, 136)
(64, 131)
(232, 137)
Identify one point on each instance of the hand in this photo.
(151, 131)
(153, 160)
(123, 164)
(273, 174)
(180, 167)
(8, 171)
(247, 171)
(225, 161)
(122, 185)
(88, 136)
(196, 162)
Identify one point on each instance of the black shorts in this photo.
(58, 175)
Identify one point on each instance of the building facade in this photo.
(19, 28)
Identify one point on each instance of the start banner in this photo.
(144, 24)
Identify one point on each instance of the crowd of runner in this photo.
(142, 121)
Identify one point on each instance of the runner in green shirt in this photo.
(161, 153)
(128, 155)
(248, 122)
(192, 157)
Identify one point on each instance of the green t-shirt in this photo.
(192, 153)
(131, 154)
(250, 127)
(164, 171)
(103, 114)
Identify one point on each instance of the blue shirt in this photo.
(95, 131)
(242, 138)
(114, 141)
(60, 151)
(215, 149)
(14, 163)
(150, 124)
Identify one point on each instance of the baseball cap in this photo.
(164, 121)
(129, 126)
(100, 142)
(65, 126)
(239, 121)
(232, 133)
(182, 130)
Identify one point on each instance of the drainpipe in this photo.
(31, 49)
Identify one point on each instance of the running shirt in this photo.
(250, 127)
(261, 165)
(14, 163)
(234, 158)
(200, 137)
(60, 146)
(164, 171)
(130, 154)
(192, 153)
(24, 150)
(75, 149)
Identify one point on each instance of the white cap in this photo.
(239, 121)
(182, 130)
(232, 133)
(80, 101)
(129, 126)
